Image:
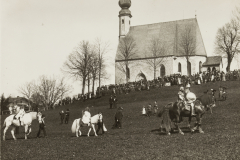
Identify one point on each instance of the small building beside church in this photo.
(213, 63)
(169, 36)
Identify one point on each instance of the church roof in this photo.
(214, 60)
(169, 33)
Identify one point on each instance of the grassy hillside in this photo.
(140, 137)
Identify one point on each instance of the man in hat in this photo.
(67, 114)
(190, 99)
(111, 101)
(61, 116)
(41, 126)
(115, 102)
(118, 118)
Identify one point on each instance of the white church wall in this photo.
(195, 60)
(138, 66)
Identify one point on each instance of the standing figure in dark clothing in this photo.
(41, 126)
(111, 102)
(118, 118)
(61, 116)
(115, 102)
(67, 114)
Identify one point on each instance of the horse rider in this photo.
(181, 94)
(86, 118)
(190, 98)
(20, 112)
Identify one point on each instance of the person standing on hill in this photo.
(155, 107)
(111, 102)
(61, 116)
(115, 102)
(41, 126)
(118, 118)
(67, 114)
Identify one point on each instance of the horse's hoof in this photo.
(181, 133)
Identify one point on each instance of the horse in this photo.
(96, 119)
(176, 113)
(26, 123)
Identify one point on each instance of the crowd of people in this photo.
(143, 84)
(174, 79)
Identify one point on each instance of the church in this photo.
(159, 49)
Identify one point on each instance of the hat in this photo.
(182, 88)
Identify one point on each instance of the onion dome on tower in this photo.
(125, 5)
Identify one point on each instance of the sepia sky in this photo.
(38, 35)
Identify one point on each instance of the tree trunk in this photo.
(127, 73)
(83, 85)
(229, 64)
(93, 85)
(88, 84)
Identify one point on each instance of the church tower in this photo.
(124, 17)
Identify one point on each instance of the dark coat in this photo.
(206, 99)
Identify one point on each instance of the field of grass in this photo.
(140, 137)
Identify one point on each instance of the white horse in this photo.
(26, 123)
(77, 124)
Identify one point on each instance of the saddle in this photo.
(83, 124)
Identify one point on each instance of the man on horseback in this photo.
(181, 94)
(20, 112)
(190, 99)
(86, 118)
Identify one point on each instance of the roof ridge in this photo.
(162, 22)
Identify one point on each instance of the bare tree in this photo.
(187, 44)
(27, 91)
(227, 41)
(52, 90)
(158, 49)
(101, 49)
(236, 14)
(77, 64)
(127, 49)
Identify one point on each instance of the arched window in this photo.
(179, 67)
(162, 71)
(189, 68)
(200, 66)
(122, 21)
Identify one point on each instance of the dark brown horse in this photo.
(176, 112)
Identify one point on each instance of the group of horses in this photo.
(27, 119)
(172, 112)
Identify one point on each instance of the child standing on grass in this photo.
(41, 126)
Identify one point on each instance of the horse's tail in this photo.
(166, 121)
(74, 126)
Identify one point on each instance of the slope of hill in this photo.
(140, 137)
